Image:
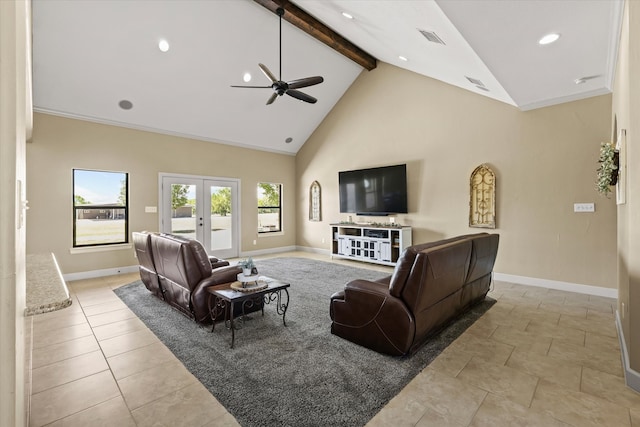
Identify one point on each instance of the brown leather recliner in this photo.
(431, 285)
(183, 271)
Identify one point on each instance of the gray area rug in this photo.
(299, 375)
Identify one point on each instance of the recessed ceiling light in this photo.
(163, 45)
(402, 58)
(246, 77)
(125, 104)
(347, 15)
(549, 38)
(288, 140)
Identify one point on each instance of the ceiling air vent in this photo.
(431, 36)
(475, 81)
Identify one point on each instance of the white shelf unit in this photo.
(370, 243)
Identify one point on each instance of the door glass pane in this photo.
(221, 218)
(183, 208)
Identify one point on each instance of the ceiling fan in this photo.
(281, 87)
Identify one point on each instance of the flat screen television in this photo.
(375, 191)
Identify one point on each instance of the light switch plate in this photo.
(584, 207)
(151, 209)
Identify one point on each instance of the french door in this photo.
(202, 208)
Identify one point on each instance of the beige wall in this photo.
(15, 122)
(545, 161)
(626, 110)
(61, 144)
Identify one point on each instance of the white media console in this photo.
(377, 244)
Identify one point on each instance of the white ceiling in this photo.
(90, 55)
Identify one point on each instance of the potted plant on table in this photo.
(248, 267)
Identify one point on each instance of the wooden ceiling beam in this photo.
(321, 32)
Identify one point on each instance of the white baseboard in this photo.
(326, 252)
(631, 377)
(268, 251)
(555, 284)
(100, 273)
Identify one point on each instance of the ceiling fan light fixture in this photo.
(548, 39)
(163, 45)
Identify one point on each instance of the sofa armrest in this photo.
(200, 296)
(365, 313)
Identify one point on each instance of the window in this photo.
(269, 207)
(100, 208)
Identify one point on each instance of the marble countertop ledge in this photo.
(46, 289)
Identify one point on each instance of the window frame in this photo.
(75, 208)
(278, 207)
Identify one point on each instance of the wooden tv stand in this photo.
(377, 244)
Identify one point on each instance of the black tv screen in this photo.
(374, 191)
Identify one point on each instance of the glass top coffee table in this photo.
(246, 294)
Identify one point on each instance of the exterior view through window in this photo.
(100, 207)
(269, 207)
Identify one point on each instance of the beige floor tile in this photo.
(59, 402)
(598, 326)
(601, 342)
(401, 411)
(559, 308)
(504, 381)
(536, 315)
(128, 342)
(493, 319)
(635, 417)
(522, 340)
(104, 308)
(488, 350)
(543, 329)
(118, 328)
(46, 338)
(225, 420)
(609, 387)
(604, 361)
(112, 413)
(566, 374)
(106, 297)
(61, 321)
(577, 408)
(446, 397)
(497, 411)
(140, 359)
(110, 317)
(432, 418)
(151, 384)
(68, 370)
(604, 307)
(190, 406)
(43, 356)
(451, 362)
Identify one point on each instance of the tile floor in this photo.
(538, 357)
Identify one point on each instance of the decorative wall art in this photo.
(482, 200)
(621, 186)
(315, 205)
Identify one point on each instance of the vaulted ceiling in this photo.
(92, 58)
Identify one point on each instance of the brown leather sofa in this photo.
(178, 271)
(431, 285)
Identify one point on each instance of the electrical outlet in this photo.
(255, 242)
(323, 240)
(584, 207)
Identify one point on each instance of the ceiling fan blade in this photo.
(267, 73)
(272, 98)
(301, 96)
(254, 87)
(308, 81)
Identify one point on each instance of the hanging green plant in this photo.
(608, 170)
